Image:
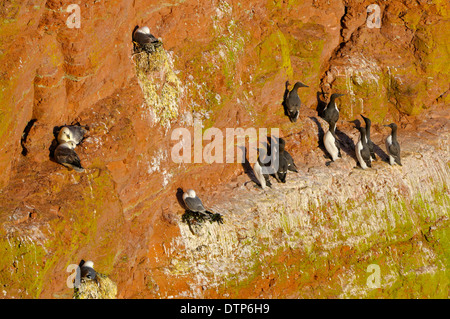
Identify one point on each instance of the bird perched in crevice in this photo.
(196, 211)
(74, 133)
(65, 154)
(285, 161)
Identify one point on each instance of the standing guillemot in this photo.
(292, 101)
(362, 150)
(392, 145)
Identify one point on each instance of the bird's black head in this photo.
(392, 126)
(361, 129)
(356, 122)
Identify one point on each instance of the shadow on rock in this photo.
(321, 105)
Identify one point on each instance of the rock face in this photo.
(223, 64)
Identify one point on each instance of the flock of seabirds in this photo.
(69, 136)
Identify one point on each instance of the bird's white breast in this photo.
(359, 147)
(329, 142)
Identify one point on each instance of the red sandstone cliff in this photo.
(225, 63)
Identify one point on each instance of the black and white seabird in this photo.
(87, 270)
(257, 170)
(331, 112)
(292, 101)
(368, 140)
(290, 162)
(142, 36)
(392, 145)
(331, 142)
(265, 163)
(362, 150)
(65, 155)
(74, 133)
(193, 203)
(282, 168)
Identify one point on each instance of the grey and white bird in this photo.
(368, 140)
(87, 270)
(292, 101)
(362, 150)
(193, 203)
(142, 36)
(331, 112)
(65, 155)
(392, 145)
(331, 142)
(74, 133)
(257, 170)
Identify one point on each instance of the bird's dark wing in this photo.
(143, 38)
(194, 204)
(394, 150)
(365, 154)
(267, 178)
(285, 96)
(372, 153)
(77, 132)
(293, 102)
(336, 142)
(64, 155)
(327, 114)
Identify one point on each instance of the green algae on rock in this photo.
(161, 87)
